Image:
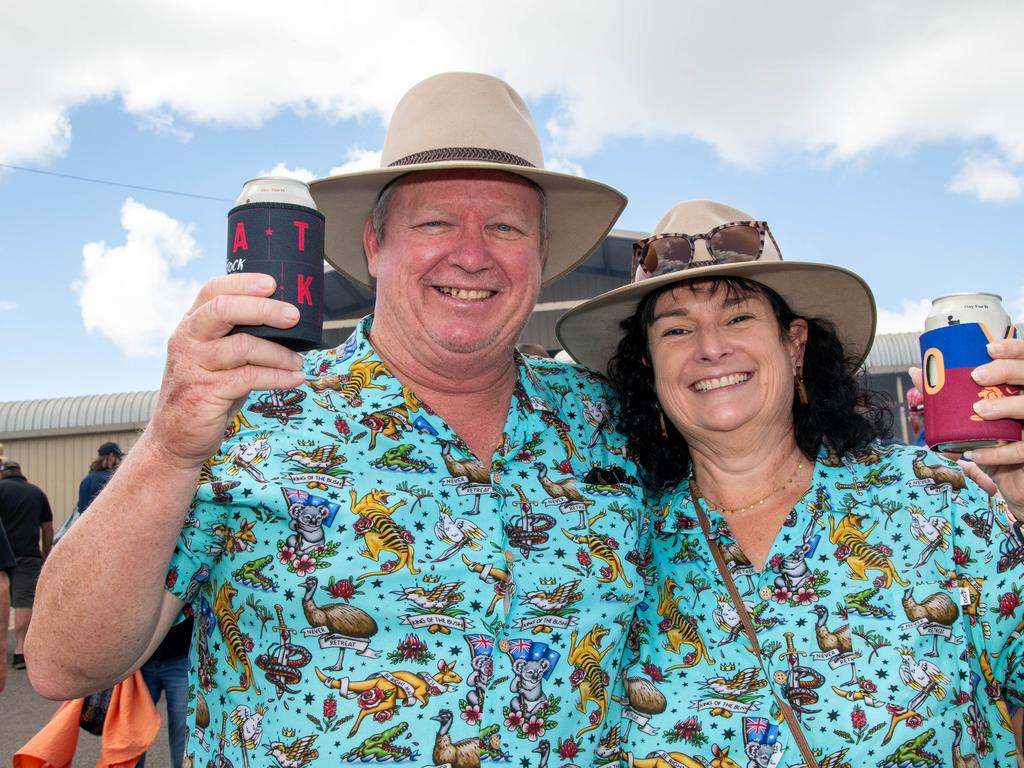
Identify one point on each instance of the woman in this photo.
(858, 603)
(108, 458)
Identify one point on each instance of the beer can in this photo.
(986, 309)
(275, 229)
(957, 330)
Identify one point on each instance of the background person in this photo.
(108, 459)
(880, 589)
(394, 525)
(7, 563)
(915, 411)
(166, 674)
(28, 521)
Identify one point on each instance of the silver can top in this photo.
(276, 189)
(978, 307)
(969, 295)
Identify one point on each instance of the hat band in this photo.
(478, 154)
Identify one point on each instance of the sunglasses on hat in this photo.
(736, 241)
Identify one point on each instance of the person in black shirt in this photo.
(6, 565)
(166, 671)
(25, 514)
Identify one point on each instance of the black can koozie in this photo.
(285, 241)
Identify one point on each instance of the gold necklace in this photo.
(711, 505)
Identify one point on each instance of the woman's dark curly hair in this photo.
(841, 414)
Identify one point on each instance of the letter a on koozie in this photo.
(240, 241)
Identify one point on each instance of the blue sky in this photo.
(884, 137)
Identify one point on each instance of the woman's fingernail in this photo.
(266, 283)
(994, 348)
(982, 407)
(967, 456)
(979, 374)
(290, 313)
(297, 362)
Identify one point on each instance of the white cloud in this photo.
(357, 159)
(128, 292)
(27, 135)
(281, 169)
(163, 123)
(7, 306)
(987, 177)
(910, 318)
(836, 80)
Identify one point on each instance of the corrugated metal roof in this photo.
(72, 414)
(893, 352)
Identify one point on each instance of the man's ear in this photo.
(371, 246)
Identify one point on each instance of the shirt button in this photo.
(496, 477)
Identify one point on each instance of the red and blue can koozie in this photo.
(285, 241)
(948, 356)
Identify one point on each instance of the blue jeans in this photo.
(171, 677)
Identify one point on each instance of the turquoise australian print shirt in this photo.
(888, 616)
(365, 592)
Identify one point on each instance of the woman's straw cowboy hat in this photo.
(591, 331)
(470, 121)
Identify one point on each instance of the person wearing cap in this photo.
(28, 522)
(7, 563)
(108, 458)
(378, 505)
(820, 598)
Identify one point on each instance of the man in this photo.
(396, 553)
(108, 458)
(25, 515)
(7, 563)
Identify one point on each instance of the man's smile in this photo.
(465, 293)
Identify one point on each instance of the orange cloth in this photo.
(130, 727)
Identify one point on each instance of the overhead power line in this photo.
(115, 183)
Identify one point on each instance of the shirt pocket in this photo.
(911, 646)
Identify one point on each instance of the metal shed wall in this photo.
(55, 440)
(57, 463)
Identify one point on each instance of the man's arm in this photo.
(105, 582)
(46, 529)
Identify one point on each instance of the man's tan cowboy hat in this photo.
(465, 120)
(591, 331)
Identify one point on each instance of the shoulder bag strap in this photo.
(748, 626)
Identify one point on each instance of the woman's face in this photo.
(721, 363)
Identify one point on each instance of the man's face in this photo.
(459, 267)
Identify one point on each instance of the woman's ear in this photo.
(797, 334)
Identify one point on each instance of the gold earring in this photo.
(801, 390)
(661, 421)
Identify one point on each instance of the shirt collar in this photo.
(532, 392)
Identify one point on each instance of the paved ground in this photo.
(23, 712)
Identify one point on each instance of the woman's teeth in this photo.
(462, 293)
(708, 384)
